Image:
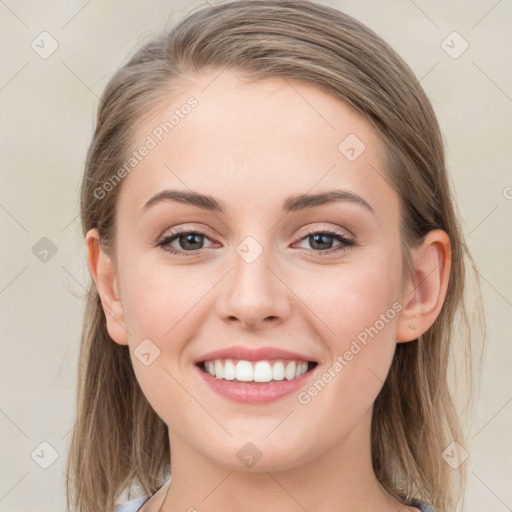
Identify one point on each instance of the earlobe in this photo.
(426, 289)
(103, 272)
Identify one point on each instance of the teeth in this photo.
(278, 371)
(255, 371)
(290, 371)
(229, 370)
(219, 370)
(262, 371)
(244, 371)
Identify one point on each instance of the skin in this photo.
(250, 145)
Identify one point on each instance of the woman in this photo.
(276, 268)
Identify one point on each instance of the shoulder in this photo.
(136, 504)
(132, 505)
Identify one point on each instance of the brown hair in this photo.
(118, 438)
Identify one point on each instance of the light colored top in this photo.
(135, 505)
(132, 505)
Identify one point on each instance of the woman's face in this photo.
(260, 278)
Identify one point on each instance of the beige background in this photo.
(48, 107)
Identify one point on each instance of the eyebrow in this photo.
(290, 204)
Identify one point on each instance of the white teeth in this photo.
(302, 368)
(257, 371)
(229, 370)
(278, 371)
(244, 371)
(289, 373)
(262, 372)
(219, 370)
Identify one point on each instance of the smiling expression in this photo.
(251, 229)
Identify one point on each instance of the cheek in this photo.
(355, 311)
(161, 307)
(350, 298)
(158, 299)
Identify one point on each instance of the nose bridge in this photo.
(254, 292)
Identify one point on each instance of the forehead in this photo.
(253, 141)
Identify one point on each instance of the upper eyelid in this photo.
(337, 231)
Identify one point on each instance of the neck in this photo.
(340, 479)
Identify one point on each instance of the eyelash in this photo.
(173, 235)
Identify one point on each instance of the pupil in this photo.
(189, 241)
(314, 240)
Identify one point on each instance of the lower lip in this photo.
(254, 392)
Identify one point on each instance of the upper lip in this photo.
(252, 354)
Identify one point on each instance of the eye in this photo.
(189, 240)
(321, 241)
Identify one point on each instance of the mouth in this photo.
(262, 371)
(255, 375)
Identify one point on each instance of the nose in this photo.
(255, 295)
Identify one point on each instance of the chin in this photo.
(259, 455)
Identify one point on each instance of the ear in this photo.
(425, 290)
(103, 272)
